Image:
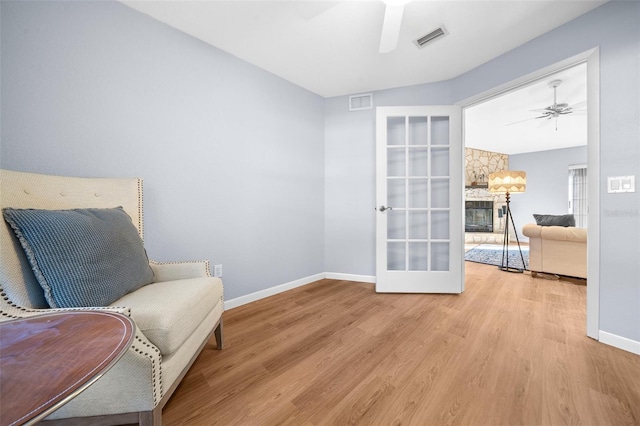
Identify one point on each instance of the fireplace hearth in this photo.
(478, 216)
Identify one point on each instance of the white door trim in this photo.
(592, 59)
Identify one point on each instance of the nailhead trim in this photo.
(140, 210)
(207, 264)
(154, 367)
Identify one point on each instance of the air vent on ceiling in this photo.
(362, 101)
(432, 36)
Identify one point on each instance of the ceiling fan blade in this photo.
(547, 109)
(522, 121)
(545, 123)
(579, 105)
(391, 27)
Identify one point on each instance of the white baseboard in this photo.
(620, 342)
(350, 277)
(252, 297)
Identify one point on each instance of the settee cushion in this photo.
(555, 233)
(555, 220)
(82, 257)
(168, 312)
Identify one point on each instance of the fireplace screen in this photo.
(478, 216)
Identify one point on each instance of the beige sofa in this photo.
(175, 315)
(557, 250)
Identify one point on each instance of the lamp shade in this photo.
(507, 181)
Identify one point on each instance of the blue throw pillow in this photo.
(82, 257)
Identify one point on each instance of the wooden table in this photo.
(47, 360)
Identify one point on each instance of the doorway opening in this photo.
(540, 114)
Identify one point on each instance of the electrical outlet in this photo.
(217, 270)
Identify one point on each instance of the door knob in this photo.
(383, 208)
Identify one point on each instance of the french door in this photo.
(419, 193)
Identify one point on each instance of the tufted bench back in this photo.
(28, 190)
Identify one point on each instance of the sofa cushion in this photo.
(556, 233)
(559, 233)
(167, 314)
(555, 220)
(82, 257)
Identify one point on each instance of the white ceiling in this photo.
(331, 47)
(488, 126)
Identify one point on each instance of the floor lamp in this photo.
(508, 182)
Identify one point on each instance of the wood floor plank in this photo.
(510, 350)
(414, 388)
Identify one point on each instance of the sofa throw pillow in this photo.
(555, 220)
(82, 257)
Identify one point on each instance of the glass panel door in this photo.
(419, 200)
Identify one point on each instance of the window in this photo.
(578, 194)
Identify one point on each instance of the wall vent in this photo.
(432, 36)
(360, 102)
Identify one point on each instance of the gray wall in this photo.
(232, 156)
(615, 29)
(547, 183)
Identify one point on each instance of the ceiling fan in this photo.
(556, 109)
(394, 9)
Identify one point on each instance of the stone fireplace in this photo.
(493, 215)
(484, 221)
(478, 164)
(478, 216)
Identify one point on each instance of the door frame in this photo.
(592, 59)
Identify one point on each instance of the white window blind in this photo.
(578, 194)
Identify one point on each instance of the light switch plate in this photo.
(618, 184)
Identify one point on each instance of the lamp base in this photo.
(510, 269)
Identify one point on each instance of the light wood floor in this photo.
(511, 350)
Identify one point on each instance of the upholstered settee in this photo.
(557, 250)
(176, 314)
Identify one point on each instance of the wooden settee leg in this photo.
(150, 418)
(219, 337)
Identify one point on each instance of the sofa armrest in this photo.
(139, 367)
(133, 384)
(531, 230)
(170, 271)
